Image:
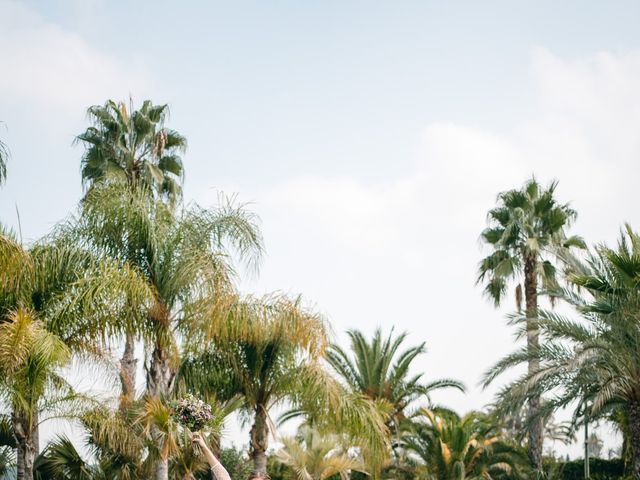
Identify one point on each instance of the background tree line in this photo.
(136, 266)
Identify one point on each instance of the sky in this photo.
(370, 137)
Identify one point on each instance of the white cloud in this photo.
(404, 252)
(376, 218)
(585, 134)
(48, 66)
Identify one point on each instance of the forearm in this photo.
(209, 456)
(217, 469)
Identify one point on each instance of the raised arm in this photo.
(218, 470)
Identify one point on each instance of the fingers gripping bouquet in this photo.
(192, 413)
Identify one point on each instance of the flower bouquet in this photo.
(192, 413)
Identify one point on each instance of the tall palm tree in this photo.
(526, 230)
(462, 448)
(381, 371)
(593, 361)
(270, 351)
(133, 145)
(316, 456)
(185, 258)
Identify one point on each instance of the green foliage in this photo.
(279, 471)
(133, 145)
(600, 469)
(269, 351)
(471, 447)
(378, 369)
(61, 461)
(527, 223)
(7, 445)
(237, 463)
(590, 357)
(317, 456)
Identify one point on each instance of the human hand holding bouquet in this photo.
(192, 413)
(198, 439)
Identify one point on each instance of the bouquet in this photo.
(192, 413)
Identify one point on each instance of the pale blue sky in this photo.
(371, 136)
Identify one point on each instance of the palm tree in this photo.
(462, 448)
(29, 359)
(61, 461)
(120, 443)
(7, 445)
(594, 360)
(512, 420)
(314, 456)
(133, 145)
(62, 295)
(269, 351)
(379, 370)
(526, 230)
(185, 258)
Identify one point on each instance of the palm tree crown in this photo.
(269, 351)
(379, 370)
(314, 456)
(462, 448)
(527, 225)
(133, 145)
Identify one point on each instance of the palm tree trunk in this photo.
(634, 437)
(26, 448)
(160, 374)
(35, 431)
(533, 341)
(162, 469)
(160, 382)
(260, 440)
(128, 366)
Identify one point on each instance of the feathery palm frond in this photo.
(451, 446)
(593, 360)
(269, 350)
(379, 370)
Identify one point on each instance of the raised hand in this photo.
(197, 438)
